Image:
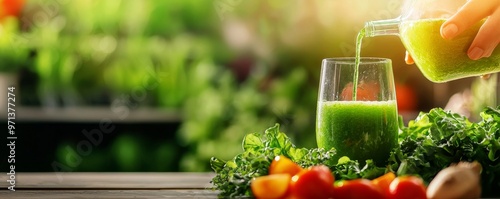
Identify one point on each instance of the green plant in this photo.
(91, 49)
(219, 110)
(484, 93)
(13, 48)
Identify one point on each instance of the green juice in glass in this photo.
(360, 130)
(442, 60)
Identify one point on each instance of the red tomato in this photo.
(407, 187)
(282, 164)
(367, 91)
(359, 188)
(383, 182)
(11, 7)
(315, 182)
(406, 98)
(270, 186)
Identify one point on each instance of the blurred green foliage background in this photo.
(227, 67)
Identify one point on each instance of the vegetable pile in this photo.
(430, 143)
(287, 180)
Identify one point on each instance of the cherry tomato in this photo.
(359, 188)
(282, 164)
(271, 186)
(407, 187)
(315, 182)
(383, 182)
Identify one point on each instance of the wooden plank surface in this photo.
(83, 180)
(106, 194)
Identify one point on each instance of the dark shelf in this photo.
(41, 132)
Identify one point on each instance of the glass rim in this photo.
(362, 60)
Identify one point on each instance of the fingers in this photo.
(472, 12)
(409, 59)
(486, 39)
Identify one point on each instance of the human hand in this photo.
(472, 12)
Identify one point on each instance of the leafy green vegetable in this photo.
(431, 142)
(234, 176)
(439, 138)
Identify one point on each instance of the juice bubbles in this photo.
(443, 60)
(360, 130)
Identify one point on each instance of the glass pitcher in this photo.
(438, 59)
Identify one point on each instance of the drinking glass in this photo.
(362, 126)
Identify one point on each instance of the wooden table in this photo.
(109, 185)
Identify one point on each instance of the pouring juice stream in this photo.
(359, 39)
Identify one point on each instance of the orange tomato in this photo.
(270, 186)
(367, 91)
(315, 182)
(383, 182)
(407, 187)
(359, 188)
(282, 164)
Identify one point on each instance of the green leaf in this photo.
(343, 160)
(252, 142)
(216, 164)
(296, 154)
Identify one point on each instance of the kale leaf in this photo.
(439, 138)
